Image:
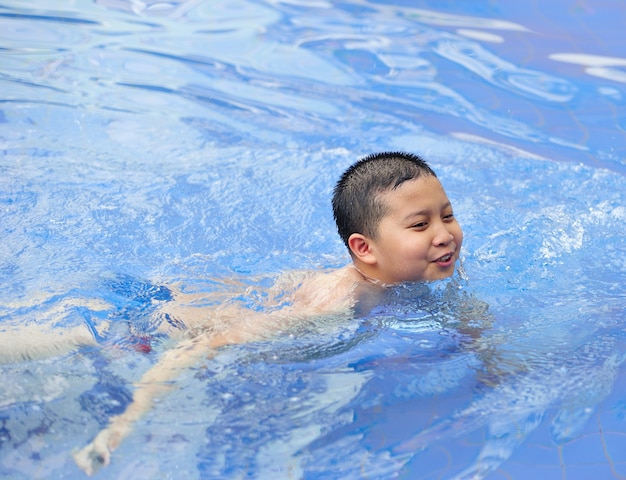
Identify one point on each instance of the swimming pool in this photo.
(146, 143)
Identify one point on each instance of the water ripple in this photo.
(293, 60)
(504, 74)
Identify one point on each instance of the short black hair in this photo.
(357, 203)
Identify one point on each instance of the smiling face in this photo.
(418, 238)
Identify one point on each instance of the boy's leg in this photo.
(40, 341)
(42, 338)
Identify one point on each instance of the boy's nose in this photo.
(443, 236)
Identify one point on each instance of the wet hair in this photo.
(358, 206)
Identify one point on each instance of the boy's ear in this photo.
(361, 248)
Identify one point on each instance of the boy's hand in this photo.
(94, 456)
(98, 453)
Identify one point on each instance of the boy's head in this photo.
(396, 220)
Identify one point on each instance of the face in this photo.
(419, 238)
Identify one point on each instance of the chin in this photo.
(441, 276)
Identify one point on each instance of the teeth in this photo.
(445, 258)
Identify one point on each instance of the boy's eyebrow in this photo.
(426, 211)
(416, 214)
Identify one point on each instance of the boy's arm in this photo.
(154, 382)
(157, 380)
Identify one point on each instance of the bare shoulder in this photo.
(327, 292)
(295, 294)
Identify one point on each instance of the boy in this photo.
(397, 222)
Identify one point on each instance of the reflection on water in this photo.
(597, 65)
(191, 141)
(304, 67)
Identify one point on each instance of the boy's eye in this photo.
(420, 225)
(449, 216)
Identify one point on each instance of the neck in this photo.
(370, 279)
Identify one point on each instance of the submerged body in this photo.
(338, 293)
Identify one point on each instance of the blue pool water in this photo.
(147, 143)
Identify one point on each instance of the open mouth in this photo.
(444, 259)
